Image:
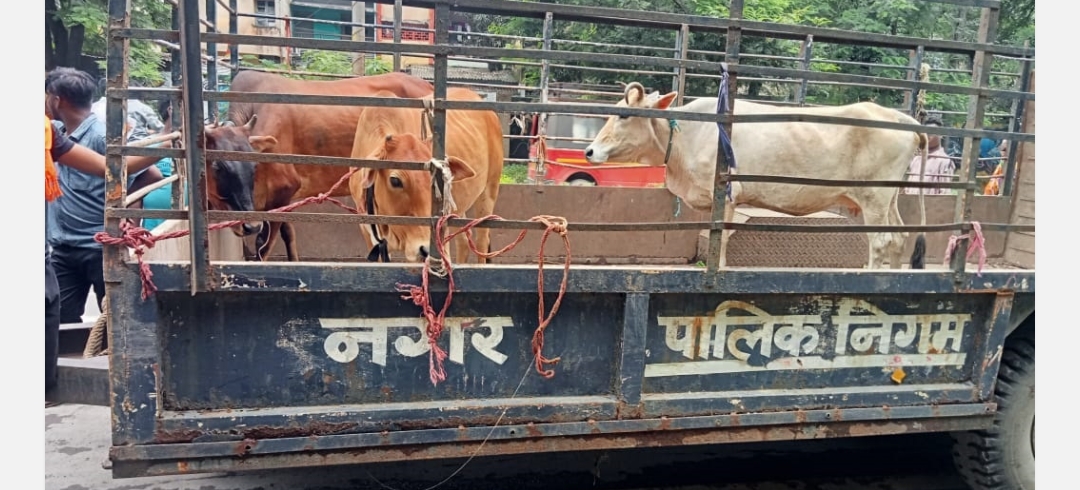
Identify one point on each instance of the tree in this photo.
(896, 17)
(75, 36)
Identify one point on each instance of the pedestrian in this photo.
(939, 167)
(59, 148)
(79, 212)
(161, 198)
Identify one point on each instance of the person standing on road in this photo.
(59, 148)
(79, 212)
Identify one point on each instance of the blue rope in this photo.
(725, 140)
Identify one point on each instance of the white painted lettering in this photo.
(343, 345)
(865, 337)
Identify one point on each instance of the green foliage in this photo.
(377, 65)
(145, 57)
(329, 62)
(514, 173)
(896, 17)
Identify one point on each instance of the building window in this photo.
(265, 7)
(369, 19)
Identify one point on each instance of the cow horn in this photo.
(632, 86)
(251, 122)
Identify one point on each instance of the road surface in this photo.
(77, 441)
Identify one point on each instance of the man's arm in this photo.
(83, 159)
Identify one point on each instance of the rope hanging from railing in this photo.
(421, 295)
(140, 239)
(977, 243)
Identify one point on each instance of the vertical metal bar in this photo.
(545, 80)
(1018, 125)
(177, 118)
(913, 75)
(234, 48)
(211, 64)
(632, 351)
(990, 343)
(397, 32)
(683, 45)
(134, 363)
(438, 123)
(116, 71)
(678, 56)
(807, 53)
(131, 373)
(190, 54)
(720, 186)
(988, 24)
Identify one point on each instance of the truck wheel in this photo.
(1003, 457)
(580, 182)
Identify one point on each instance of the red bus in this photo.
(566, 163)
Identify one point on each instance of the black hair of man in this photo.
(162, 107)
(76, 87)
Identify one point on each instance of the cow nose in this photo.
(252, 228)
(423, 252)
(588, 152)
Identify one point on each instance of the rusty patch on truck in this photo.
(318, 428)
(533, 430)
(176, 436)
(696, 327)
(244, 446)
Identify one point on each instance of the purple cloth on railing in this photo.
(725, 140)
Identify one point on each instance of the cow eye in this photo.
(624, 117)
(396, 182)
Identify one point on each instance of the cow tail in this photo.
(918, 256)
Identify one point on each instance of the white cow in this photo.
(794, 149)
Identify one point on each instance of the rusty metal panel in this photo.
(750, 248)
(263, 350)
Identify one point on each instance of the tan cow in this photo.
(474, 150)
(794, 149)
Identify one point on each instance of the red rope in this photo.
(421, 296)
(141, 239)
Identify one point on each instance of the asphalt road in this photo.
(77, 441)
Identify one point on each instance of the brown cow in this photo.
(230, 182)
(325, 130)
(474, 150)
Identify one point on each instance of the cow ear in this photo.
(262, 144)
(366, 177)
(459, 169)
(665, 101)
(635, 92)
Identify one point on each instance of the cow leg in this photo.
(899, 239)
(263, 246)
(484, 206)
(725, 235)
(288, 236)
(880, 243)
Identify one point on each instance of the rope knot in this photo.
(436, 266)
(440, 170)
(140, 239)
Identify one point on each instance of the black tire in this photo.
(1003, 457)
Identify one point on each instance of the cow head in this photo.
(231, 183)
(630, 139)
(405, 192)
